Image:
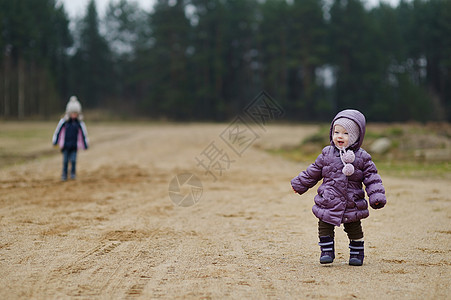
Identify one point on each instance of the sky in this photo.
(77, 8)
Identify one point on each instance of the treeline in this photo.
(207, 59)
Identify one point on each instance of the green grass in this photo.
(415, 169)
(400, 160)
(24, 141)
(24, 134)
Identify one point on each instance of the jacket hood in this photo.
(355, 116)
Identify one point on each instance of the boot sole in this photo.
(326, 260)
(355, 262)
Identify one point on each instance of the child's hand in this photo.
(378, 205)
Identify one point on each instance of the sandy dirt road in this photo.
(115, 233)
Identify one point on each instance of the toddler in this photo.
(71, 135)
(343, 166)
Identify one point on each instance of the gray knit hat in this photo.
(351, 127)
(73, 105)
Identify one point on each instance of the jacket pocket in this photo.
(328, 199)
(361, 204)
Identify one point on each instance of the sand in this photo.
(115, 232)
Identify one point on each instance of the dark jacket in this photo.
(77, 141)
(340, 198)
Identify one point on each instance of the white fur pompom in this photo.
(348, 170)
(348, 157)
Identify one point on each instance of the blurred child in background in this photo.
(71, 135)
(344, 167)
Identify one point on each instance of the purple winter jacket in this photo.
(341, 199)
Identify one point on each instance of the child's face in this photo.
(340, 137)
(73, 115)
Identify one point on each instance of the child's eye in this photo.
(346, 133)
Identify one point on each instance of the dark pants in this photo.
(354, 229)
(69, 155)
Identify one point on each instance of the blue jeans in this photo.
(69, 155)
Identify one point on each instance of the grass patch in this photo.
(420, 151)
(22, 133)
(24, 141)
(415, 169)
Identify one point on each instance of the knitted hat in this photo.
(351, 127)
(73, 106)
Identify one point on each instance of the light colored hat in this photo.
(73, 106)
(351, 127)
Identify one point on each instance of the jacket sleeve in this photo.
(84, 133)
(56, 134)
(310, 177)
(373, 183)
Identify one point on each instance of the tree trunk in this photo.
(41, 96)
(7, 72)
(21, 90)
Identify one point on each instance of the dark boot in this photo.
(356, 253)
(327, 249)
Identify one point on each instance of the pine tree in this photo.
(92, 66)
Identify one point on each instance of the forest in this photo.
(207, 59)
